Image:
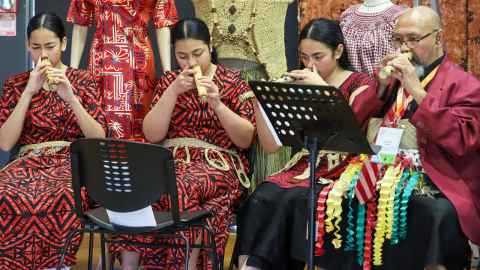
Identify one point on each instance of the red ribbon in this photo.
(369, 226)
(321, 207)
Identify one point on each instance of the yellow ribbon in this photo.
(385, 210)
(390, 202)
(334, 202)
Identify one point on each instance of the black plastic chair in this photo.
(125, 176)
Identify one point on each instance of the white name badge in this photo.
(389, 139)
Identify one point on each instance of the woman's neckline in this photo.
(343, 76)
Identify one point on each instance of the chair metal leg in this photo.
(187, 249)
(90, 250)
(64, 250)
(102, 247)
(212, 246)
(216, 261)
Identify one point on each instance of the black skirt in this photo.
(264, 226)
(434, 237)
(272, 231)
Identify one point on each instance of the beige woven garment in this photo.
(266, 37)
(409, 137)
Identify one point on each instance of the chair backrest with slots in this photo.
(123, 175)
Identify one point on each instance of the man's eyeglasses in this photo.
(411, 42)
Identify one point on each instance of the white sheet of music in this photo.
(270, 126)
(140, 218)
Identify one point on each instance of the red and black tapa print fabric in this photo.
(199, 185)
(36, 200)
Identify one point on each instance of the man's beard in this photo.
(419, 70)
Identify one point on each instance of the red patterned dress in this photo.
(121, 56)
(36, 199)
(272, 239)
(201, 185)
(360, 91)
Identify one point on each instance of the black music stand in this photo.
(314, 117)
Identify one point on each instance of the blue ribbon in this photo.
(361, 215)
(412, 182)
(396, 206)
(350, 238)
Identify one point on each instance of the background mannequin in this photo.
(248, 35)
(121, 56)
(372, 6)
(367, 29)
(244, 33)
